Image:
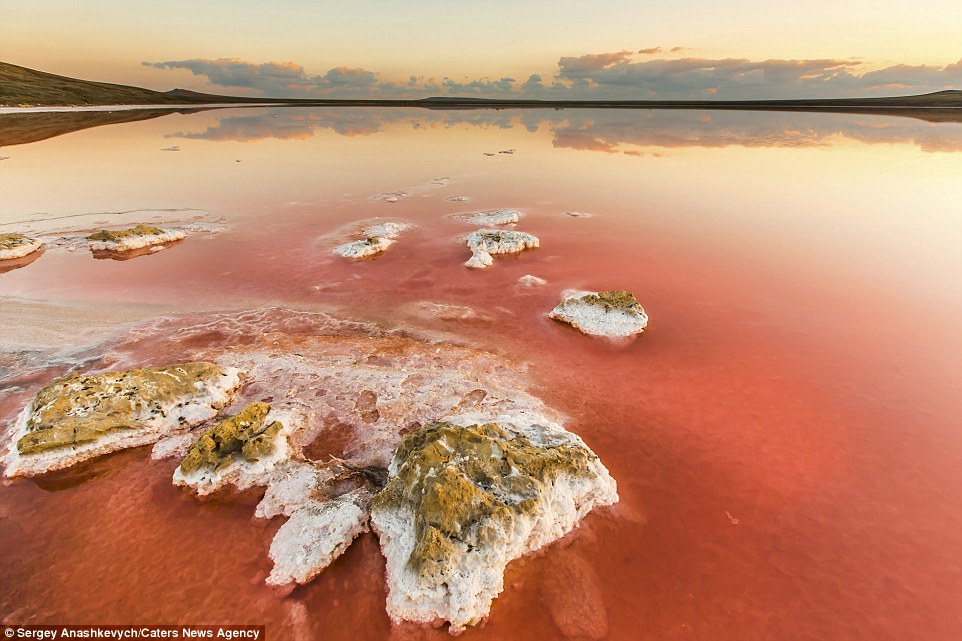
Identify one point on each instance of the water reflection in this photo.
(23, 128)
(605, 130)
(608, 131)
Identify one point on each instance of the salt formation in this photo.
(315, 535)
(485, 242)
(360, 248)
(491, 217)
(378, 238)
(17, 246)
(437, 446)
(448, 312)
(134, 238)
(465, 498)
(612, 314)
(237, 451)
(529, 280)
(82, 416)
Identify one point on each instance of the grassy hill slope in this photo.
(22, 87)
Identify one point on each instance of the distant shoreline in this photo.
(803, 105)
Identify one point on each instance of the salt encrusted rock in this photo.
(361, 248)
(485, 242)
(613, 314)
(378, 238)
(134, 238)
(315, 535)
(82, 416)
(241, 451)
(491, 217)
(17, 246)
(465, 499)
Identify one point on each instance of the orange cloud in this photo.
(592, 62)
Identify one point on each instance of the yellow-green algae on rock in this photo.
(243, 434)
(464, 482)
(621, 300)
(81, 416)
(80, 408)
(17, 246)
(124, 234)
(465, 497)
(137, 237)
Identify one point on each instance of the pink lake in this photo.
(786, 435)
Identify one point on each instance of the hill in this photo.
(23, 87)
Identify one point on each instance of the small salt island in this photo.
(13, 246)
(485, 242)
(614, 314)
(377, 238)
(137, 237)
(490, 217)
(81, 416)
(464, 499)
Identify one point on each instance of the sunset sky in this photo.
(560, 49)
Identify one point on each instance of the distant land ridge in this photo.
(23, 87)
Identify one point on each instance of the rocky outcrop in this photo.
(614, 314)
(81, 416)
(485, 242)
(134, 238)
(377, 238)
(17, 246)
(464, 499)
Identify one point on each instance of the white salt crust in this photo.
(29, 246)
(491, 217)
(377, 238)
(363, 248)
(485, 242)
(317, 533)
(532, 281)
(597, 320)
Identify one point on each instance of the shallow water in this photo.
(786, 435)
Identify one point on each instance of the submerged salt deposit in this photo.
(614, 314)
(485, 242)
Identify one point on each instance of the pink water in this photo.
(786, 435)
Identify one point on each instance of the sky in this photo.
(616, 49)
